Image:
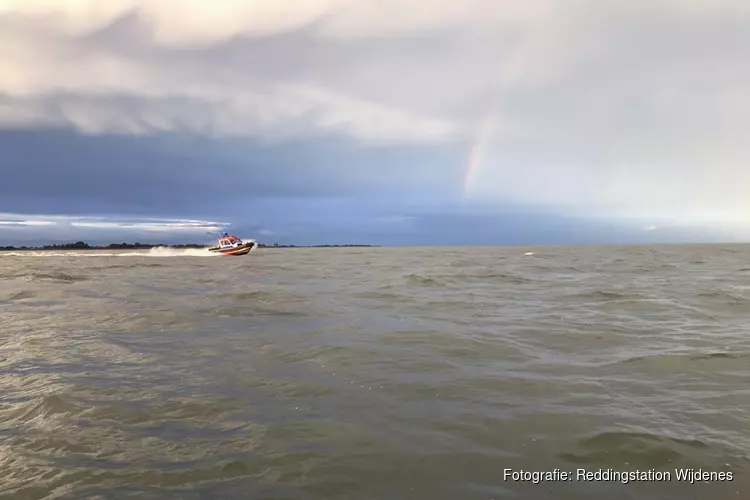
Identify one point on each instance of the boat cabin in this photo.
(229, 241)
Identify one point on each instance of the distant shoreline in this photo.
(80, 245)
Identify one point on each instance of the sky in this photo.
(429, 122)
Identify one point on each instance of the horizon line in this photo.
(124, 245)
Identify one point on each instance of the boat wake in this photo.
(153, 252)
(170, 252)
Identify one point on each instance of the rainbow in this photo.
(477, 153)
(482, 141)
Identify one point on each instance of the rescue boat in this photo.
(232, 245)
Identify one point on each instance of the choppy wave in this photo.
(379, 373)
(58, 276)
(634, 449)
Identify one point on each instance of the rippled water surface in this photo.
(374, 373)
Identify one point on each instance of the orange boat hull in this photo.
(241, 250)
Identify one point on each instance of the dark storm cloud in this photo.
(60, 172)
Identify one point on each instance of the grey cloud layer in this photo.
(631, 106)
